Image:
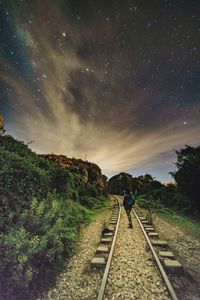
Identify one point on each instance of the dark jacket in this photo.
(126, 200)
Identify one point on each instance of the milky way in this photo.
(118, 81)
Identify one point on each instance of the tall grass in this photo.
(187, 224)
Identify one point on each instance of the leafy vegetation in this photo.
(45, 200)
(181, 196)
(43, 206)
(2, 131)
(119, 182)
(187, 175)
(190, 226)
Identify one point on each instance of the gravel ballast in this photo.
(133, 273)
(79, 282)
(186, 249)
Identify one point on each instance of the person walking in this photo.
(128, 203)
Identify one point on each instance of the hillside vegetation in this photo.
(89, 172)
(44, 201)
(181, 196)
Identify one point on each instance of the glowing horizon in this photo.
(77, 90)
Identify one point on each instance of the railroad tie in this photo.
(172, 265)
(102, 249)
(108, 234)
(145, 222)
(147, 225)
(113, 219)
(111, 228)
(98, 262)
(152, 234)
(159, 243)
(149, 229)
(166, 254)
(106, 240)
(142, 218)
(113, 222)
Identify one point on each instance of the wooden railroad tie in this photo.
(159, 243)
(98, 262)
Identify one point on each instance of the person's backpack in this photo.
(130, 201)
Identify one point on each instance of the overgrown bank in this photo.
(190, 226)
(182, 196)
(43, 206)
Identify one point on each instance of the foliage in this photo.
(146, 184)
(43, 206)
(20, 180)
(175, 196)
(173, 217)
(164, 196)
(187, 175)
(89, 172)
(119, 182)
(2, 131)
(44, 234)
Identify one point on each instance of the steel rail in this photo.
(162, 271)
(106, 272)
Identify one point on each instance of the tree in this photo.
(146, 184)
(119, 182)
(2, 130)
(187, 175)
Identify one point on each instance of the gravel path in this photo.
(186, 246)
(78, 282)
(133, 274)
(186, 249)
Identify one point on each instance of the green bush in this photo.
(44, 235)
(119, 182)
(20, 180)
(43, 207)
(94, 203)
(187, 176)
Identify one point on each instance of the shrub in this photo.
(41, 215)
(20, 180)
(42, 238)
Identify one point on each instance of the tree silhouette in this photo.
(2, 130)
(187, 175)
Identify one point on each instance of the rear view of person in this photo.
(128, 203)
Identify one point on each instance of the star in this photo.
(144, 67)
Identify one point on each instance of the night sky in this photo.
(118, 81)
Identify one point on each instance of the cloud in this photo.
(74, 108)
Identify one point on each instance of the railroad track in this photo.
(111, 238)
(106, 272)
(158, 262)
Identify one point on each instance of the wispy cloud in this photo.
(112, 133)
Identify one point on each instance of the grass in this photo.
(187, 224)
(97, 204)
